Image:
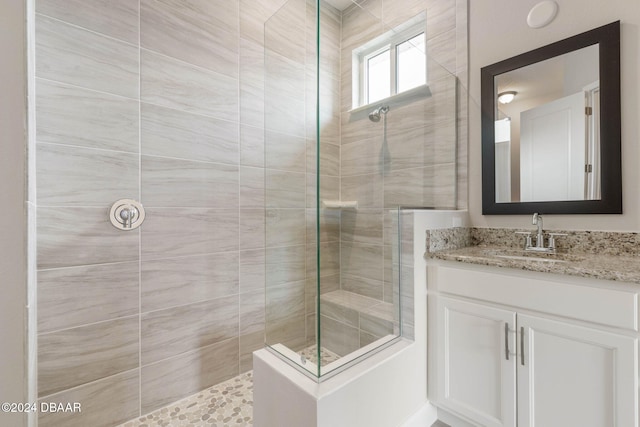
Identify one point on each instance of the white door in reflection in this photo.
(552, 150)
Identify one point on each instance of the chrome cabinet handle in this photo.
(506, 340)
(522, 345)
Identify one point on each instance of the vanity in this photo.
(529, 328)
(520, 339)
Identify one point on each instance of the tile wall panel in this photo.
(330, 220)
(329, 259)
(73, 55)
(168, 132)
(283, 75)
(75, 296)
(442, 62)
(178, 281)
(201, 33)
(252, 229)
(284, 265)
(71, 115)
(338, 337)
(183, 183)
(248, 344)
(175, 84)
(286, 115)
(283, 31)
(81, 236)
(72, 357)
(330, 31)
(365, 189)
(290, 332)
(251, 188)
(173, 331)
(329, 156)
(362, 226)
(252, 312)
(441, 16)
(74, 176)
(285, 152)
(165, 233)
(114, 18)
(395, 14)
(252, 78)
(121, 391)
(329, 189)
(251, 146)
(252, 270)
(172, 379)
(363, 157)
(285, 189)
(372, 288)
(254, 14)
(440, 185)
(285, 227)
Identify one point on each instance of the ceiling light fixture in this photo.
(506, 97)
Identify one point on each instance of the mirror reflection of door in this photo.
(503, 160)
(552, 150)
(553, 124)
(593, 170)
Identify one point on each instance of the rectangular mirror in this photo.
(551, 128)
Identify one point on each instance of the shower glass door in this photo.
(339, 171)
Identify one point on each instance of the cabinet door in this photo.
(575, 376)
(476, 375)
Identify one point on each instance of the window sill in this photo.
(405, 97)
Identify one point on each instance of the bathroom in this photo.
(150, 332)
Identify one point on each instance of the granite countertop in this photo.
(605, 267)
(618, 262)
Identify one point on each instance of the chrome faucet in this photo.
(537, 220)
(539, 246)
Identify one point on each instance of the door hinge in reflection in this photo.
(588, 111)
(588, 168)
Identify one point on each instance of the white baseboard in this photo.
(425, 417)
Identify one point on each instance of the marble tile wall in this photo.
(164, 102)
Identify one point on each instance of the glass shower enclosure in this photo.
(360, 124)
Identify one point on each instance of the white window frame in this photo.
(388, 41)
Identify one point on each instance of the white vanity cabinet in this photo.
(571, 375)
(511, 348)
(475, 378)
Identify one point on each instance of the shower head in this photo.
(374, 116)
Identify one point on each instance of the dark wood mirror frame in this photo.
(608, 38)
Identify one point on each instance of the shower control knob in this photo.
(126, 214)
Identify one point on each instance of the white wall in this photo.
(498, 30)
(12, 206)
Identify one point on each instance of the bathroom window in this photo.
(390, 64)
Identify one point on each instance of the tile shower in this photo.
(163, 101)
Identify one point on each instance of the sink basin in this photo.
(522, 255)
(530, 258)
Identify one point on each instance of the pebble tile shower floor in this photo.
(228, 404)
